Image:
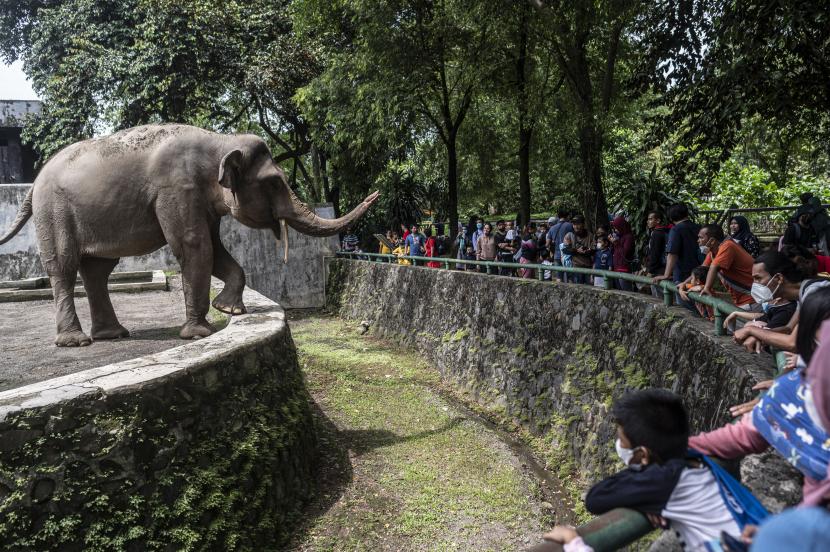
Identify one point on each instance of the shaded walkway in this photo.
(403, 469)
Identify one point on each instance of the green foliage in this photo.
(750, 186)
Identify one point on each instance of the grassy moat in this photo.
(405, 469)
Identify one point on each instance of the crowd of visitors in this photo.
(783, 299)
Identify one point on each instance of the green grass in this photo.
(425, 477)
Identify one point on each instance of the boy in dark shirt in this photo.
(659, 480)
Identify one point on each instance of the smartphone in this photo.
(731, 544)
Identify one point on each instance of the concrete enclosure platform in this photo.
(151, 442)
(27, 331)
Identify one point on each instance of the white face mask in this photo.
(704, 249)
(625, 454)
(812, 412)
(762, 293)
(599, 245)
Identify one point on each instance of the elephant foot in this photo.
(196, 330)
(230, 303)
(72, 338)
(110, 332)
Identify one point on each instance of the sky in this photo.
(13, 83)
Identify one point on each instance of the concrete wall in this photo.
(298, 284)
(553, 357)
(207, 446)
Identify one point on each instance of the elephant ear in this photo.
(229, 170)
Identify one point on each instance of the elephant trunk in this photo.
(298, 215)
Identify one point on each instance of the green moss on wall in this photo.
(175, 467)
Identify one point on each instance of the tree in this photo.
(417, 56)
(100, 64)
(587, 38)
(767, 60)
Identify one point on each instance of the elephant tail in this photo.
(23, 216)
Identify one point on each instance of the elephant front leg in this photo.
(228, 270)
(195, 256)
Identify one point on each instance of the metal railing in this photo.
(720, 308)
(763, 220)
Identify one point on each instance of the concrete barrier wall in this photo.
(553, 357)
(298, 284)
(207, 446)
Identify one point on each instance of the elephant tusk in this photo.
(284, 240)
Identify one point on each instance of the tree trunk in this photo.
(452, 184)
(593, 196)
(525, 135)
(524, 131)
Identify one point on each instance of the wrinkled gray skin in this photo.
(135, 191)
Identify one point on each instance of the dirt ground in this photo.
(27, 333)
(403, 468)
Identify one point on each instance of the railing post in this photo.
(447, 264)
(540, 274)
(668, 296)
(488, 268)
(608, 283)
(719, 330)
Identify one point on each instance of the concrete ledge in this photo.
(37, 289)
(198, 446)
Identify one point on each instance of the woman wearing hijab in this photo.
(739, 233)
(808, 526)
(784, 418)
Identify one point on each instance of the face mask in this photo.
(812, 412)
(479, 226)
(765, 306)
(762, 293)
(704, 249)
(599, 245)
(625, 454)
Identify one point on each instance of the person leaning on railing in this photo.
(806, 527)
(671, 485)
(728, 262)
(782, 419)
(753, 338)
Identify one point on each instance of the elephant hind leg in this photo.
(96, 273)
(63, 276)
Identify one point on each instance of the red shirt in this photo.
(823, 263)
(735, 267)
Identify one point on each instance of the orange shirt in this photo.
(735, 268)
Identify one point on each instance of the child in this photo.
(696, 285)
(665, 481)
(545, 256)
(604, 258)
(566, 248)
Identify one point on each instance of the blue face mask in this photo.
(479, 226)
(765, 306)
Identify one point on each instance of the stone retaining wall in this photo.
(552, 357)
(208, 446)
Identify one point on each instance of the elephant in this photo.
(138, 189)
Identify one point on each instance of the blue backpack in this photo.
(742, 504)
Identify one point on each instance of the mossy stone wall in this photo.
(216, 458)
(551, 357)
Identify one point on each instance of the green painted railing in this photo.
(610, 531)
(720, 308)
